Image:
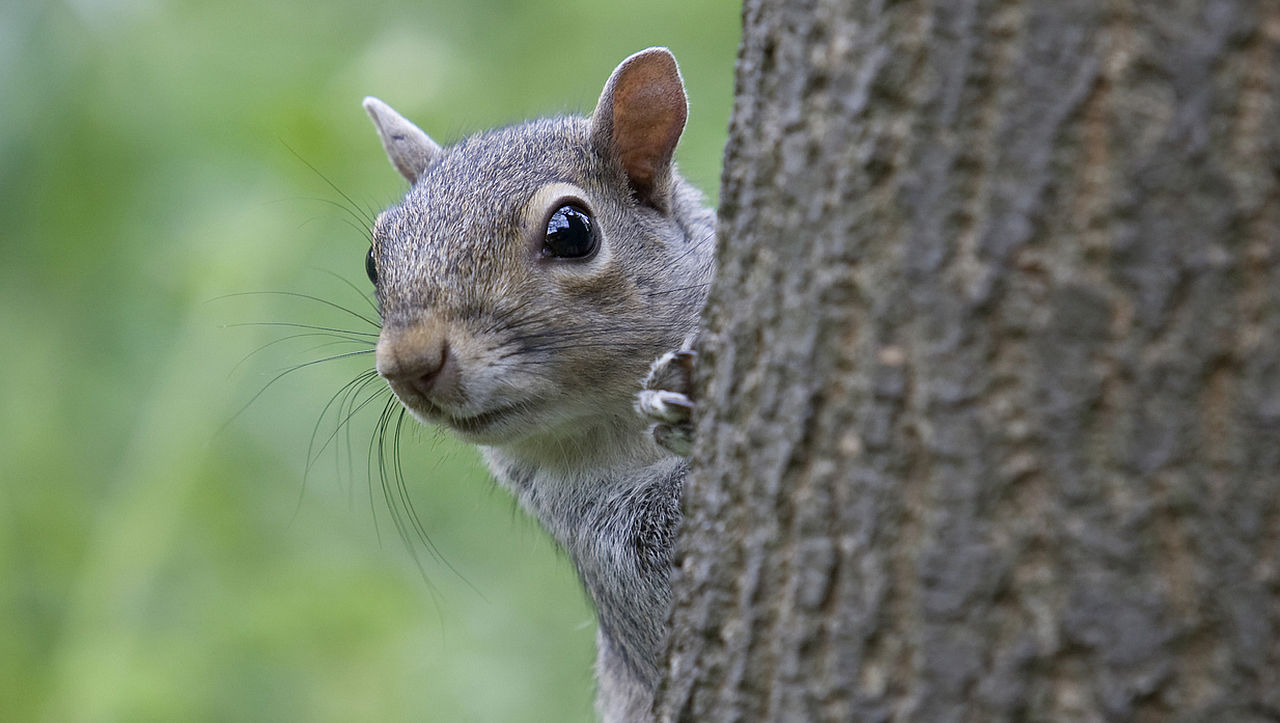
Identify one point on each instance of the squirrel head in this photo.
(532, 273)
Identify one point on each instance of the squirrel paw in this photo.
(667, 402)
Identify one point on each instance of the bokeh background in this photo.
(160, 556)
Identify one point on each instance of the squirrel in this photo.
(540, 287)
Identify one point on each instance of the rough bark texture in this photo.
(991, 416)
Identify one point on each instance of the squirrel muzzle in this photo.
(419, 365)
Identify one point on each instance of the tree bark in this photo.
(990, 382)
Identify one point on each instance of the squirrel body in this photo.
(526, 283)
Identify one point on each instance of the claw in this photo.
(666, 400)
(664, 406)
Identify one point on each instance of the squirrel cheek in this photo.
(602, 287)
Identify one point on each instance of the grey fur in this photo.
(538, 360)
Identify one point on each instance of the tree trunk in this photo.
(990, 419)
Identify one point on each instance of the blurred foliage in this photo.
(161, 558)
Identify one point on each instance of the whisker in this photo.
(296, 325)
(652, 294)
(385, 474)
(374, 443)
(362, 231)
(282, 375)
(363, 296)
(412, 513)
(363, 343)
(308, 297)
(291, 337)
(355, 386)
(315, 431)
(366, 220)
(598, 331)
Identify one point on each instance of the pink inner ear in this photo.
(649, 112)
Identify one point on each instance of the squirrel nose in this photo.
(419, 359)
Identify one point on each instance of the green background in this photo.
(160, 556)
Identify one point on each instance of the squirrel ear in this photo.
(409, 149)
(639, 120)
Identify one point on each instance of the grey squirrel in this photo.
(539, 287)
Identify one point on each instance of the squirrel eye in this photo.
(370, 266)
(569, 234)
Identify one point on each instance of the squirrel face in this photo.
(532, 273)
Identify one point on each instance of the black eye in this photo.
(371, 267)
(569, 234)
